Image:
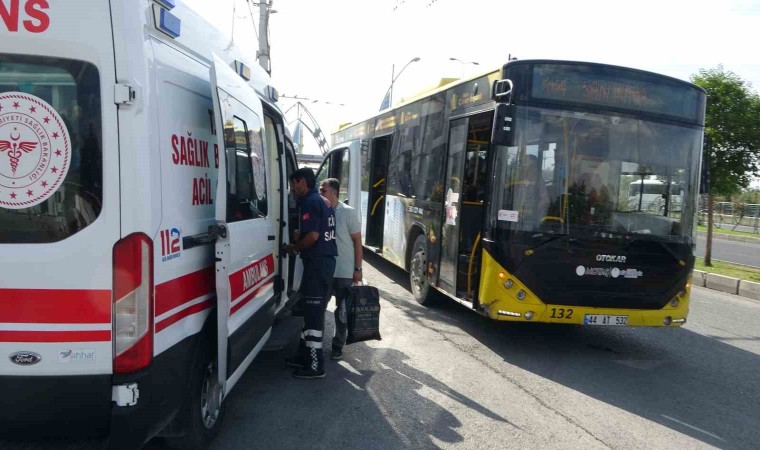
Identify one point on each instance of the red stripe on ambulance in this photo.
(177, 292)
(55, 336)
(250, 276)
(55, 306)
(171, 320)
(236, 307)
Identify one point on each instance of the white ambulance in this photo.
(143, 203)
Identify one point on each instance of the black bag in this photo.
(363, 314)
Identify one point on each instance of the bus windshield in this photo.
(579, 173)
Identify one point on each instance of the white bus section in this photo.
(143, 263)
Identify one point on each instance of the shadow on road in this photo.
(694, 384)
(372, 399)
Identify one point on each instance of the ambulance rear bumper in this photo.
(71, 407)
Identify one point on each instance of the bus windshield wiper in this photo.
(550, 238)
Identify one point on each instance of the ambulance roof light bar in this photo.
(245, 73)
(168, 4)
(165, 21)
(243, 70)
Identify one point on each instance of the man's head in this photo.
(301, 181)
(329, 190)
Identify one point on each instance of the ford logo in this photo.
(25, 358)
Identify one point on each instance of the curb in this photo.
(730, 237)
(730, 285)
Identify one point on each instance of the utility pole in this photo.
(265, 7)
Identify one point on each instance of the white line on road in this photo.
(349, 367)
(693, 428)
(353, 385)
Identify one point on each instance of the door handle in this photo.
(271, 237)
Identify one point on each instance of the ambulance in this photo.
(143, 204)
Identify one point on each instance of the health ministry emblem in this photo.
(35, 150)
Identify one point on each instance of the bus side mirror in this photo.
(501, 91)
(503, 124)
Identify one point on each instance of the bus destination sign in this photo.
(592, 86)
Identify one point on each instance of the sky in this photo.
(342, 52)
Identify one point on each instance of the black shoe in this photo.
(295, 361)
(337, 354)
(308, 374)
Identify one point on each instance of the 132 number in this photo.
(562, 313)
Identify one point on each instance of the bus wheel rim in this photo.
(418, 278)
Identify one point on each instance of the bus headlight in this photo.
(674, 302)
(667, 320)
(529, 315)
(508, 284)
(521, 295)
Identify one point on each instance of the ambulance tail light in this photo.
(132, 303)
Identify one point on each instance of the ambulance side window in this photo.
(246, 199)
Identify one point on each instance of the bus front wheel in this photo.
(418, 273)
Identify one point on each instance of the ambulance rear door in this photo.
(59, 213)
(245, 267)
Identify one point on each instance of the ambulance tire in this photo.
(421, 290)
(200, 404)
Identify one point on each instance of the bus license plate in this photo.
(605, 320)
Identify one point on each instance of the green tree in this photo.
(732, 136)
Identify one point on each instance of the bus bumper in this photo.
(574, 315)
(503, 297)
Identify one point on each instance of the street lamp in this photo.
(394, 77)
(464, 63)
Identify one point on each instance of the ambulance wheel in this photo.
(418, 279)
(204, 404)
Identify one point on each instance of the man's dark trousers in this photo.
(315, 292)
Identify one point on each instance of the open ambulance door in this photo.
(245, 229)
(295, 265)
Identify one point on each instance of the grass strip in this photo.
(729, 270)
(727, 231)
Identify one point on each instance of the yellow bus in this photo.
(509, 192)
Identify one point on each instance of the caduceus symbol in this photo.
(16, 148)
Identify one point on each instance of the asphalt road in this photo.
(445, 377)
(746, 253)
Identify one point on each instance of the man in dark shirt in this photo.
(315, 241)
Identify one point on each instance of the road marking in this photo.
(694, 428)
(349, 367)
(353, 385)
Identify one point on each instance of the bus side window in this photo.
(343, 177)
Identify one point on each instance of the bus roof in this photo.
(441, 87)
(611, 66)
(457, 82)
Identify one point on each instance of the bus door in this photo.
(245, 227)
(378, 161)
(464, 203)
